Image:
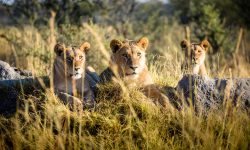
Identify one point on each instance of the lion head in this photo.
(197, 52)
(71, 59)
(129, 56)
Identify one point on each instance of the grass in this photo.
(121, 120)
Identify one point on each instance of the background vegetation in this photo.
(29, 30)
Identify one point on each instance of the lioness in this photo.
(128, 62)
(195, 54)
(70, 78)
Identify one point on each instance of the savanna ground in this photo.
(120, 121)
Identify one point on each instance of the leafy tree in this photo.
(205, 21)
(210, 26)
(69, 11)
(243, 11)
(116, 13)
(25, 11)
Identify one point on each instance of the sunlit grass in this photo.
(122, 119)
(130, 121)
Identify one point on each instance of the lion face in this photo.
(197, 52)
(129, 56)
(72, 59)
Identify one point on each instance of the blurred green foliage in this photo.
(218, 21)
(130, 120)
(213, 19)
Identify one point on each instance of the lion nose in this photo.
(133, 67)
(76, 69)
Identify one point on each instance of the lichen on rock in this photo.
(9, 73)
(206, 93)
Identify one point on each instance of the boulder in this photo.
(14, 81)
(205, 93)
(8, 73)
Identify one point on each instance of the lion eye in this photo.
(69, 59)
(125, 55)
(139, 54)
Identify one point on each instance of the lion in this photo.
(128, 62)
(71, 78)
(195, 54)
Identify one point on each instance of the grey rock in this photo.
(8, 73)
(11, 90)
(14, 81)
(10, 80)
(206, 93)
(9, 101)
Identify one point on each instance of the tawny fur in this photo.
(128, 62)
(70, 78)
(195, 55)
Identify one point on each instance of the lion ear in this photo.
(205, 44)
(85, 46)
(59, 48)
(184, 44)
(115, 45)
(143, 42)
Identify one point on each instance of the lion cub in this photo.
(71, 78)
(195, 54)
(128, 62)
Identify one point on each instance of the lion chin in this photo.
(76, 76)
(131, 74)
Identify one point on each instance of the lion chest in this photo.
(71, 86)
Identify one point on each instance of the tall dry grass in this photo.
(121, 120)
